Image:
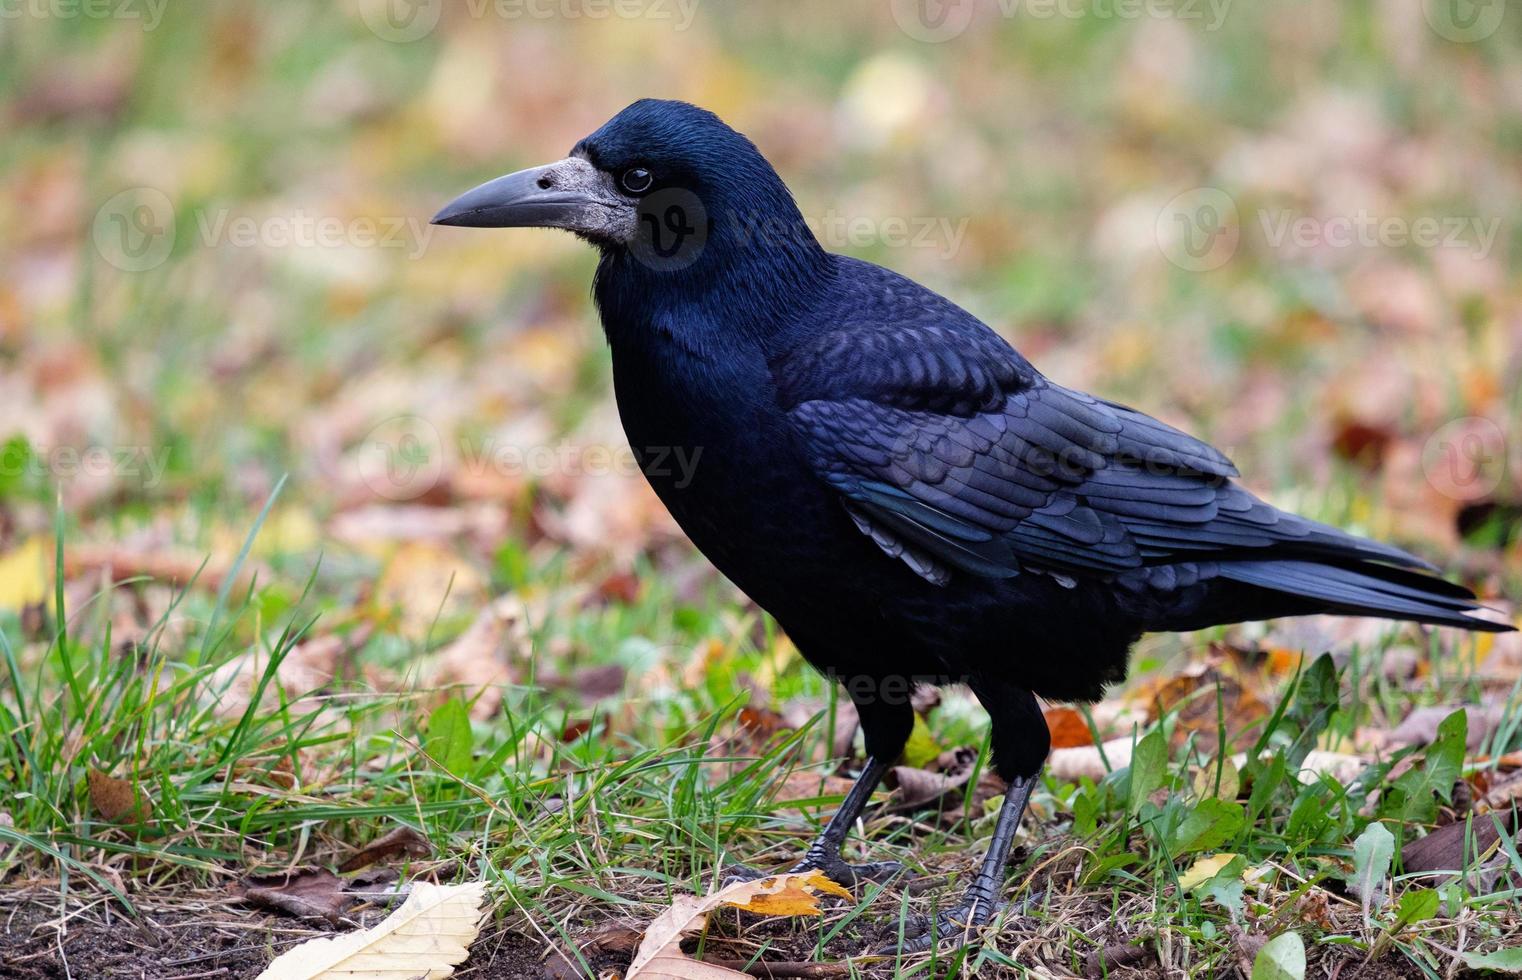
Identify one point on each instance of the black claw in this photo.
(961, 924)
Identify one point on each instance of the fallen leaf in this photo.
(1088, 761)
(117, 800)
(1420, 726)
(306, 893)
(399, 840)
(24, 580)
(479, 660)
(426, 938)
(607, 950)
(1067, 727)
(924, 788)
(660, 952)
(424, 581)
(1203, 870)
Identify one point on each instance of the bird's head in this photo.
(665, 183)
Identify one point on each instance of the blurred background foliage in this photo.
(1025, 166)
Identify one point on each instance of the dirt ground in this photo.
(230, 943)
(210, 944)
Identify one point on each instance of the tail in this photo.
(1355, 586)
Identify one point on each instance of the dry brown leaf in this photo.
(175, 567)
(118, 800)
(923, 788)
(660, 955)
(400, 840)
(425, 581)
(426, 938)
(1452, 847)
(1420, 726)
(480, 660)
(306, 893)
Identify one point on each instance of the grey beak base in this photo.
(517, 200)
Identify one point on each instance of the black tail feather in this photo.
(1367, 589)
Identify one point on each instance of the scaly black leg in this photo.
(886, 721)
(981, 900)
(1020, 742)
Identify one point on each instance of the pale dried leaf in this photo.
(1087, 762)
(660, 955)
(426, 938)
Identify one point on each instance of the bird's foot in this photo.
(955, 926)
(849, 875)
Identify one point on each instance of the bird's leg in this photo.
(1020, 741)
(887, 717)
(824, 853)
(981, 900)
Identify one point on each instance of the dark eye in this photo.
(637, 180)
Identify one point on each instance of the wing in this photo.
(953, 453)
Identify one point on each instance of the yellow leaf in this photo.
(921, 749)
(427, 937)
(23, 575)
(795, 895)
(1203, 870)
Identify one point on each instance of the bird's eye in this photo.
(637, 180)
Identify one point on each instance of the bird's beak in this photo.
(569, 193)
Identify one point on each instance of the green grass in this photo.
(629, 813)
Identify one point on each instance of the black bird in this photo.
(902, 490)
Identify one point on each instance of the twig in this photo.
(788, 970)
